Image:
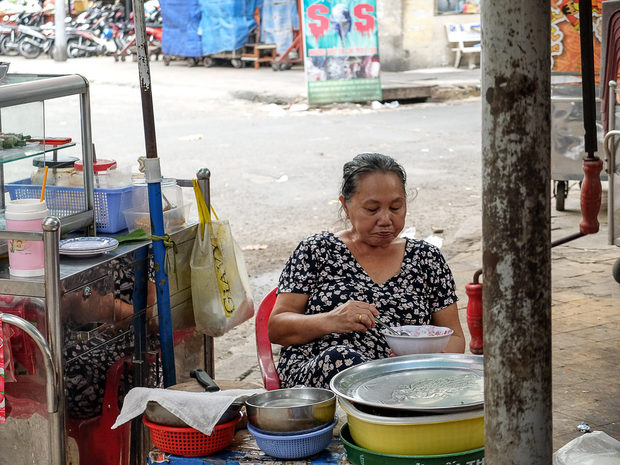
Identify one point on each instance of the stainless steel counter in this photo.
(96, 315)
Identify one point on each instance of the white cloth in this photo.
(200, 410)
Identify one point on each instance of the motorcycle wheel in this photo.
(29, 50)
(73, 49)
(4, 41)
(3, 38)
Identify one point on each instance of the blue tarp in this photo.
(279, 18)
(225, 25)
(195, 28)
(181, 22)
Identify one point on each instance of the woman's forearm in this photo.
(456, 344)
(290, 328)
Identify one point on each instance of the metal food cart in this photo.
(611, 145)
(75, 314)
(567, 134)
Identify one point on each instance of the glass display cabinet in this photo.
(23, 132)
(92, 322)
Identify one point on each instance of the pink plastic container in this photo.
(26, 258)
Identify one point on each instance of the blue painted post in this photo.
(161, 280)
(153, 179)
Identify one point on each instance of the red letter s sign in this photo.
(319, 13)
(361, 11)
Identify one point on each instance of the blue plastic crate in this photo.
(64, 201)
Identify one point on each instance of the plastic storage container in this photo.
(171, 194)
(61, 172)
(175, 212)
(102, 170)
(64, 201)
(26, 258)
(173, 219)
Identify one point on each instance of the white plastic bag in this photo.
(221, 293)
(596, 448)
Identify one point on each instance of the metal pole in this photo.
(51, 227)
(587, 77)
(610, 151)
(140, 291)
(60, 41)
(204, 179)
(87, 156)
(153, 180)
(516, 175)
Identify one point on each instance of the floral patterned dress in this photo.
(323, 268)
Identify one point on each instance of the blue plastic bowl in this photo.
(294, 446)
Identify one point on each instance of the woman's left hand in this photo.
(449, 317)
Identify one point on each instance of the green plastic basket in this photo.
(360, 456)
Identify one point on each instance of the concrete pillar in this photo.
(60, 43)
(516, 231)
(390, 19)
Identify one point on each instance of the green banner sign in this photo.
(341, 50)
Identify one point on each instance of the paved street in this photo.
(276, 171)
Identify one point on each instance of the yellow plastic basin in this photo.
(418, 435)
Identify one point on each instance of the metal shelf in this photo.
(31, 149)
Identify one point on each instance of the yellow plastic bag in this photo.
(221, 293)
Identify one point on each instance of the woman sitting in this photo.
(333, 286)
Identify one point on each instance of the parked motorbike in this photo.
(8, 40)
(10, 34)
(82, 43)
(35, 41)
(98, 30)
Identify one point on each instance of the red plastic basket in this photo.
(189, 442)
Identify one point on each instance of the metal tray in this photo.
(432, 383)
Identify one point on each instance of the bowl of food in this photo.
(418, 339)
(291, 409)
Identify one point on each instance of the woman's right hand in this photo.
(289, 325)
(353, 315)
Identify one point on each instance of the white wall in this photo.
(412, 35)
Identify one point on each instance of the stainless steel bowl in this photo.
(291, 409)
(160, 415)
(4, 68)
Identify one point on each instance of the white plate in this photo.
(87, 246)
(436, 383)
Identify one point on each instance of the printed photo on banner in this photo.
(341, 50)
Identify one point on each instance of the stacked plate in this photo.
(414, 405)
(87, 246)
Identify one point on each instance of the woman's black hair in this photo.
(366, 163)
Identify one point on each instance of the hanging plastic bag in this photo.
(221, 293)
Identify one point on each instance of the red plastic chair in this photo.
(263, 344)
(97, 443)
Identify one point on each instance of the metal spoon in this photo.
(390, 329)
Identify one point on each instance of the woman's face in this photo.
(377, 209)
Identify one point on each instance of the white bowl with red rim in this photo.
(420, 339)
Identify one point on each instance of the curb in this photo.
(411, 93)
